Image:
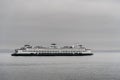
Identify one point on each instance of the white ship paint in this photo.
(53, 50)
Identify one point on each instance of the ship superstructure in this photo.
(53, 50)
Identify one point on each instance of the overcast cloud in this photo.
(94, 23)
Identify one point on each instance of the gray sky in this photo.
(93, 23)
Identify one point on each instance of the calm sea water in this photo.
(100, 66)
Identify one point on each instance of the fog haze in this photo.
(94, 23)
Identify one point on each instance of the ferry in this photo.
(52, 50)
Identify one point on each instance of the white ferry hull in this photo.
(28, 50)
